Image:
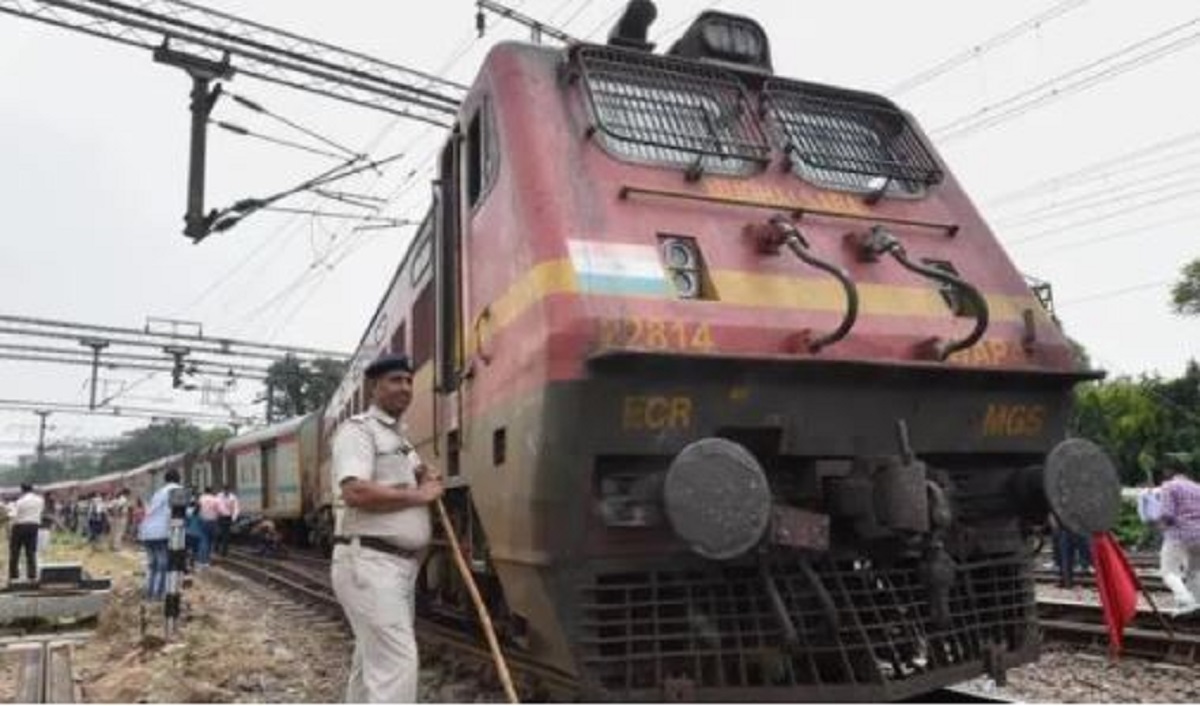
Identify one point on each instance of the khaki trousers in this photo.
(376, 592)
(117, 532)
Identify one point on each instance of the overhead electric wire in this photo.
(1101, 218)
(314, 287)
(469, 41)
(70, 330)
(247, 132)
(553, 14)
(606, 21)
(579, 10)
(127, 388)
(115, 365)
(1112, 293)
(422, 135)
(1121, 163)
(658, 36)
(111, 359)
(1141, 228)
(316, 266)
(315, 276)
(258, 108)
(343, 195)
(943, 67)
(238, 211)
(18, 405)
(1068, 83)
(365, 217)
(1099, 198)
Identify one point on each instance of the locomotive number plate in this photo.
(655, 334)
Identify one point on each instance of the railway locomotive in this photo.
(737, 395)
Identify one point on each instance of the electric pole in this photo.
(41, 447)
(96, 345)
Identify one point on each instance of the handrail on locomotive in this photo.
(880, 241)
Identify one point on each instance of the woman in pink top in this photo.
(209, 508)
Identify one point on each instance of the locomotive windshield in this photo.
(671, 113)
(663, 111)
(848, 141)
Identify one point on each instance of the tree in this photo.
(1082, 360)
(156, 441)
(1185, 295)
(1181, 408)
(295, 388)
(1126, 420)
(1142, 421)
(132, 450)
(50, 470)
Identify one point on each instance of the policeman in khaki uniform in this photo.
(383, 493)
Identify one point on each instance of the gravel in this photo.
(1065, 675)
(239, 642)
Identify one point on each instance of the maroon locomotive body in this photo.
(738, 395)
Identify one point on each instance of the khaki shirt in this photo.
(371, 446)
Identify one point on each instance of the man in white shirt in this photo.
(26, 520)
(227, 513)
(384, 491)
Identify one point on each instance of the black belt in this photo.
(379, 545)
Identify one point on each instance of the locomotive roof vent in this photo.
(630, 31)
(731, 39)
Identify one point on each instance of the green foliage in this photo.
(1142, 421)
(1130, 531)
(151, 442)
(297, 388)
(1185, 295)
(134, 448)
(1082, 360)
(49, 471)
(1122, 417)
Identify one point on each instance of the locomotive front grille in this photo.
(714, 627)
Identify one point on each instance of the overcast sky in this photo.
(93, 157)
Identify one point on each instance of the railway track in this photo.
(956, 696)
(1082, 624)
(1150, 581)
(305, 578)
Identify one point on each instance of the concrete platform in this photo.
(68, 594)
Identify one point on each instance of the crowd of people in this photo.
(108, 521)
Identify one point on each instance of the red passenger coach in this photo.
(738, 396)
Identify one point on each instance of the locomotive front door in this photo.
(448, 274)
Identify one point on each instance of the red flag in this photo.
(1118, 586)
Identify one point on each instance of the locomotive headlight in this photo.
(681, 257)
(686, 283)
(679, 253)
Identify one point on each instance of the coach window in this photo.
(400, 339)
(423, 327)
